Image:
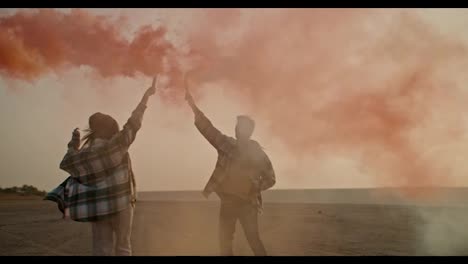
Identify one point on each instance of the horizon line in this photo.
(342, 188)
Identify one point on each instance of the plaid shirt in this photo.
(226, 147)
(101, 180)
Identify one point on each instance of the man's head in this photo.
(102, 126)
(244, 127)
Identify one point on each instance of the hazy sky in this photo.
(38, 117)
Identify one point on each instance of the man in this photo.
(242, 171)
(101, 186)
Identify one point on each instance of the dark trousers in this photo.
(233, 209)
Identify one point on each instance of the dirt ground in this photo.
(35, 227)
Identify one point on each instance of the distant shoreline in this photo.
(389, 196)
(457, 196)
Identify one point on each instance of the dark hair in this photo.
(247, 122)
(100, 126)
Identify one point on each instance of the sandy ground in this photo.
(35, 227)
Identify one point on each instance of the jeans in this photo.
(233, 209)
(112, 235)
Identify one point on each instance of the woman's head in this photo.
(101, 126)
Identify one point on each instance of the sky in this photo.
(341, 98)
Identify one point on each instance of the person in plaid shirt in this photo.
(101, 185)
(243, 170)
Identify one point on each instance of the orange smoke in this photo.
(34, 43)
(360, 83)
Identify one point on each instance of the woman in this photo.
(101, 186)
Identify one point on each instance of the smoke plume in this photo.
(365, 84)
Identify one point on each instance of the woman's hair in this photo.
(100, 126)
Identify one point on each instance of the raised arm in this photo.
(75, 141)
(127, 135)
(119, 143)
(217, 139)
(73, 147)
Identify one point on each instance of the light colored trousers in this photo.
(111, 236)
